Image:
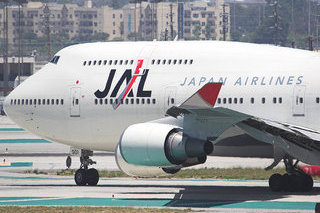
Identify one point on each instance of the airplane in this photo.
(162, 106)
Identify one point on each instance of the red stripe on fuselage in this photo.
(131, 82)
(134, 77)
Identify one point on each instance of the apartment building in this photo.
(191, 20)
(147, 21)
(35, 17)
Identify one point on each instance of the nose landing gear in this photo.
(85, 176)
(295, 180)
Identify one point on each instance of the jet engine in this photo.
(158, 149)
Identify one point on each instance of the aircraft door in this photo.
(169, 98)
(299, 101)
(75, 102)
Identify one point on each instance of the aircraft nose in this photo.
(7, 104)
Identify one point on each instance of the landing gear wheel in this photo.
(80, 177)
(308, 183)
(276, 182)
(92, 177)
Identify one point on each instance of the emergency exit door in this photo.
(75, 102)
(169, 98)
(299, 101)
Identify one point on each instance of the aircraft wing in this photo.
(203, 121)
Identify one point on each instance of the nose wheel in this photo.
(295, 180)
(85, 176)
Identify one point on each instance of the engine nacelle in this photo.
(141, 171)
(160, 145)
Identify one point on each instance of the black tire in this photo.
(317, 208)
(308, 183)
(276, 182)
(92, 177)
(286, 182)
(80, 177)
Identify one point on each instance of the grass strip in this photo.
(205, 173)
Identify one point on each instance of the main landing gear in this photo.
(85, 176)
(295, 180)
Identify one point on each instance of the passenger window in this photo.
(35, 101)
(77, 101)
(105, 101)
(235, 100)
(148, 101)
(127, 101)
(137, 101)
(101, 101)
(241, 100)
(100, 62)
(22, 101)
(158, 62)
(105, 62)
(172, 100)
(142, 100)
(185, 61)
(125, 62)
(280, 100)
(111, 101)
(89, 63)
(230, 100)
(94, 62)
(43, 101)
(120, 62)
(263, 100)
(39, 102)
(252, 100)
(110, 62)
(301, 100)
(121, 101)
(317, 100)
(96, 101)
(30, 101)
(164, 62)
(84, 63)
(274, 100)
(15, 101)
(154, 101)
(61, 101)
(219, 100)
(57, 101)
(132, 101)
(48, 102)
(169, 61)
(152, 62)
(115, 62)
(131, 62)
(191, 61)
(116, 101)
(52, 101)
(180, 61)
(11, 102)
(224, 100)
(174, 61)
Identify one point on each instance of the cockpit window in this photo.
(55, 59)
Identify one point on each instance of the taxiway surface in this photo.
(21, 151)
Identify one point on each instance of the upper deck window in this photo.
(55, 59)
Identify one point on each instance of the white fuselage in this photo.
(275, 83)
